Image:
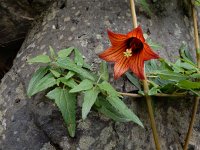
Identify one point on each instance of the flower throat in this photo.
(134, 46)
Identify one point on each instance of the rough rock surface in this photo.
(16, 18)
(33, 124)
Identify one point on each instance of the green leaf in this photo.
(104, 71)
(169, 88)
(87, 66)
(39, 59)
(153, 45)
(188, 66)
(40, 84)
(68, 64)
(37, 76)
(55, 73)
(69, 75)
(195, 75)
(84, 85)
(153, 91)
(52, 52)
(186, 84)
(66, 103)
(195, 92)
(65, 52)
(185, 54)
(78, 58)
(145, 6)
(172, 76)
(197, 2)
(104, 107)
(107, 87)
(123, 109)
(177, 67)
(140, 92)
(68, 82)
(89, 99)
(151, 66)
(133, 80)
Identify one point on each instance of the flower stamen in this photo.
(128, 53)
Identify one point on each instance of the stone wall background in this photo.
(35, 123)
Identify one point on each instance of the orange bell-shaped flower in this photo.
(128, 51)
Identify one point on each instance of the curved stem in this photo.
(146, 88)
(195, 108)
(196, 103)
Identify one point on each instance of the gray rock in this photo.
(15, 21)
(32, 124)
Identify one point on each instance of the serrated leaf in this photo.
(107, 87)
(188, 66)
(65, 52)
(104, 107)
(172, 76)
(39, 59)
(69, 75)
(133, 80)
(70, 65)
(90, 97)
(123, 109)
(41, 84)
(66, 103)
(78, 58)
(186, 84)
(55, 73)
(68, 82)
(37, 76)
(104, 71)
(83, 86)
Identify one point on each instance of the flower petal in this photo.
(137, 32)
(113, 53)
(136, 64)
(148, 53)
(116, 38)
(121, 67)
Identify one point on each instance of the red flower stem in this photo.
(196, 103)
(146, 88)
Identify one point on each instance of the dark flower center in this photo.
(135, 45)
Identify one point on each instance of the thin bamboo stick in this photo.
(196, 103)
(146, 88)
(157, 95)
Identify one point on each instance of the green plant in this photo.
(66, 77)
